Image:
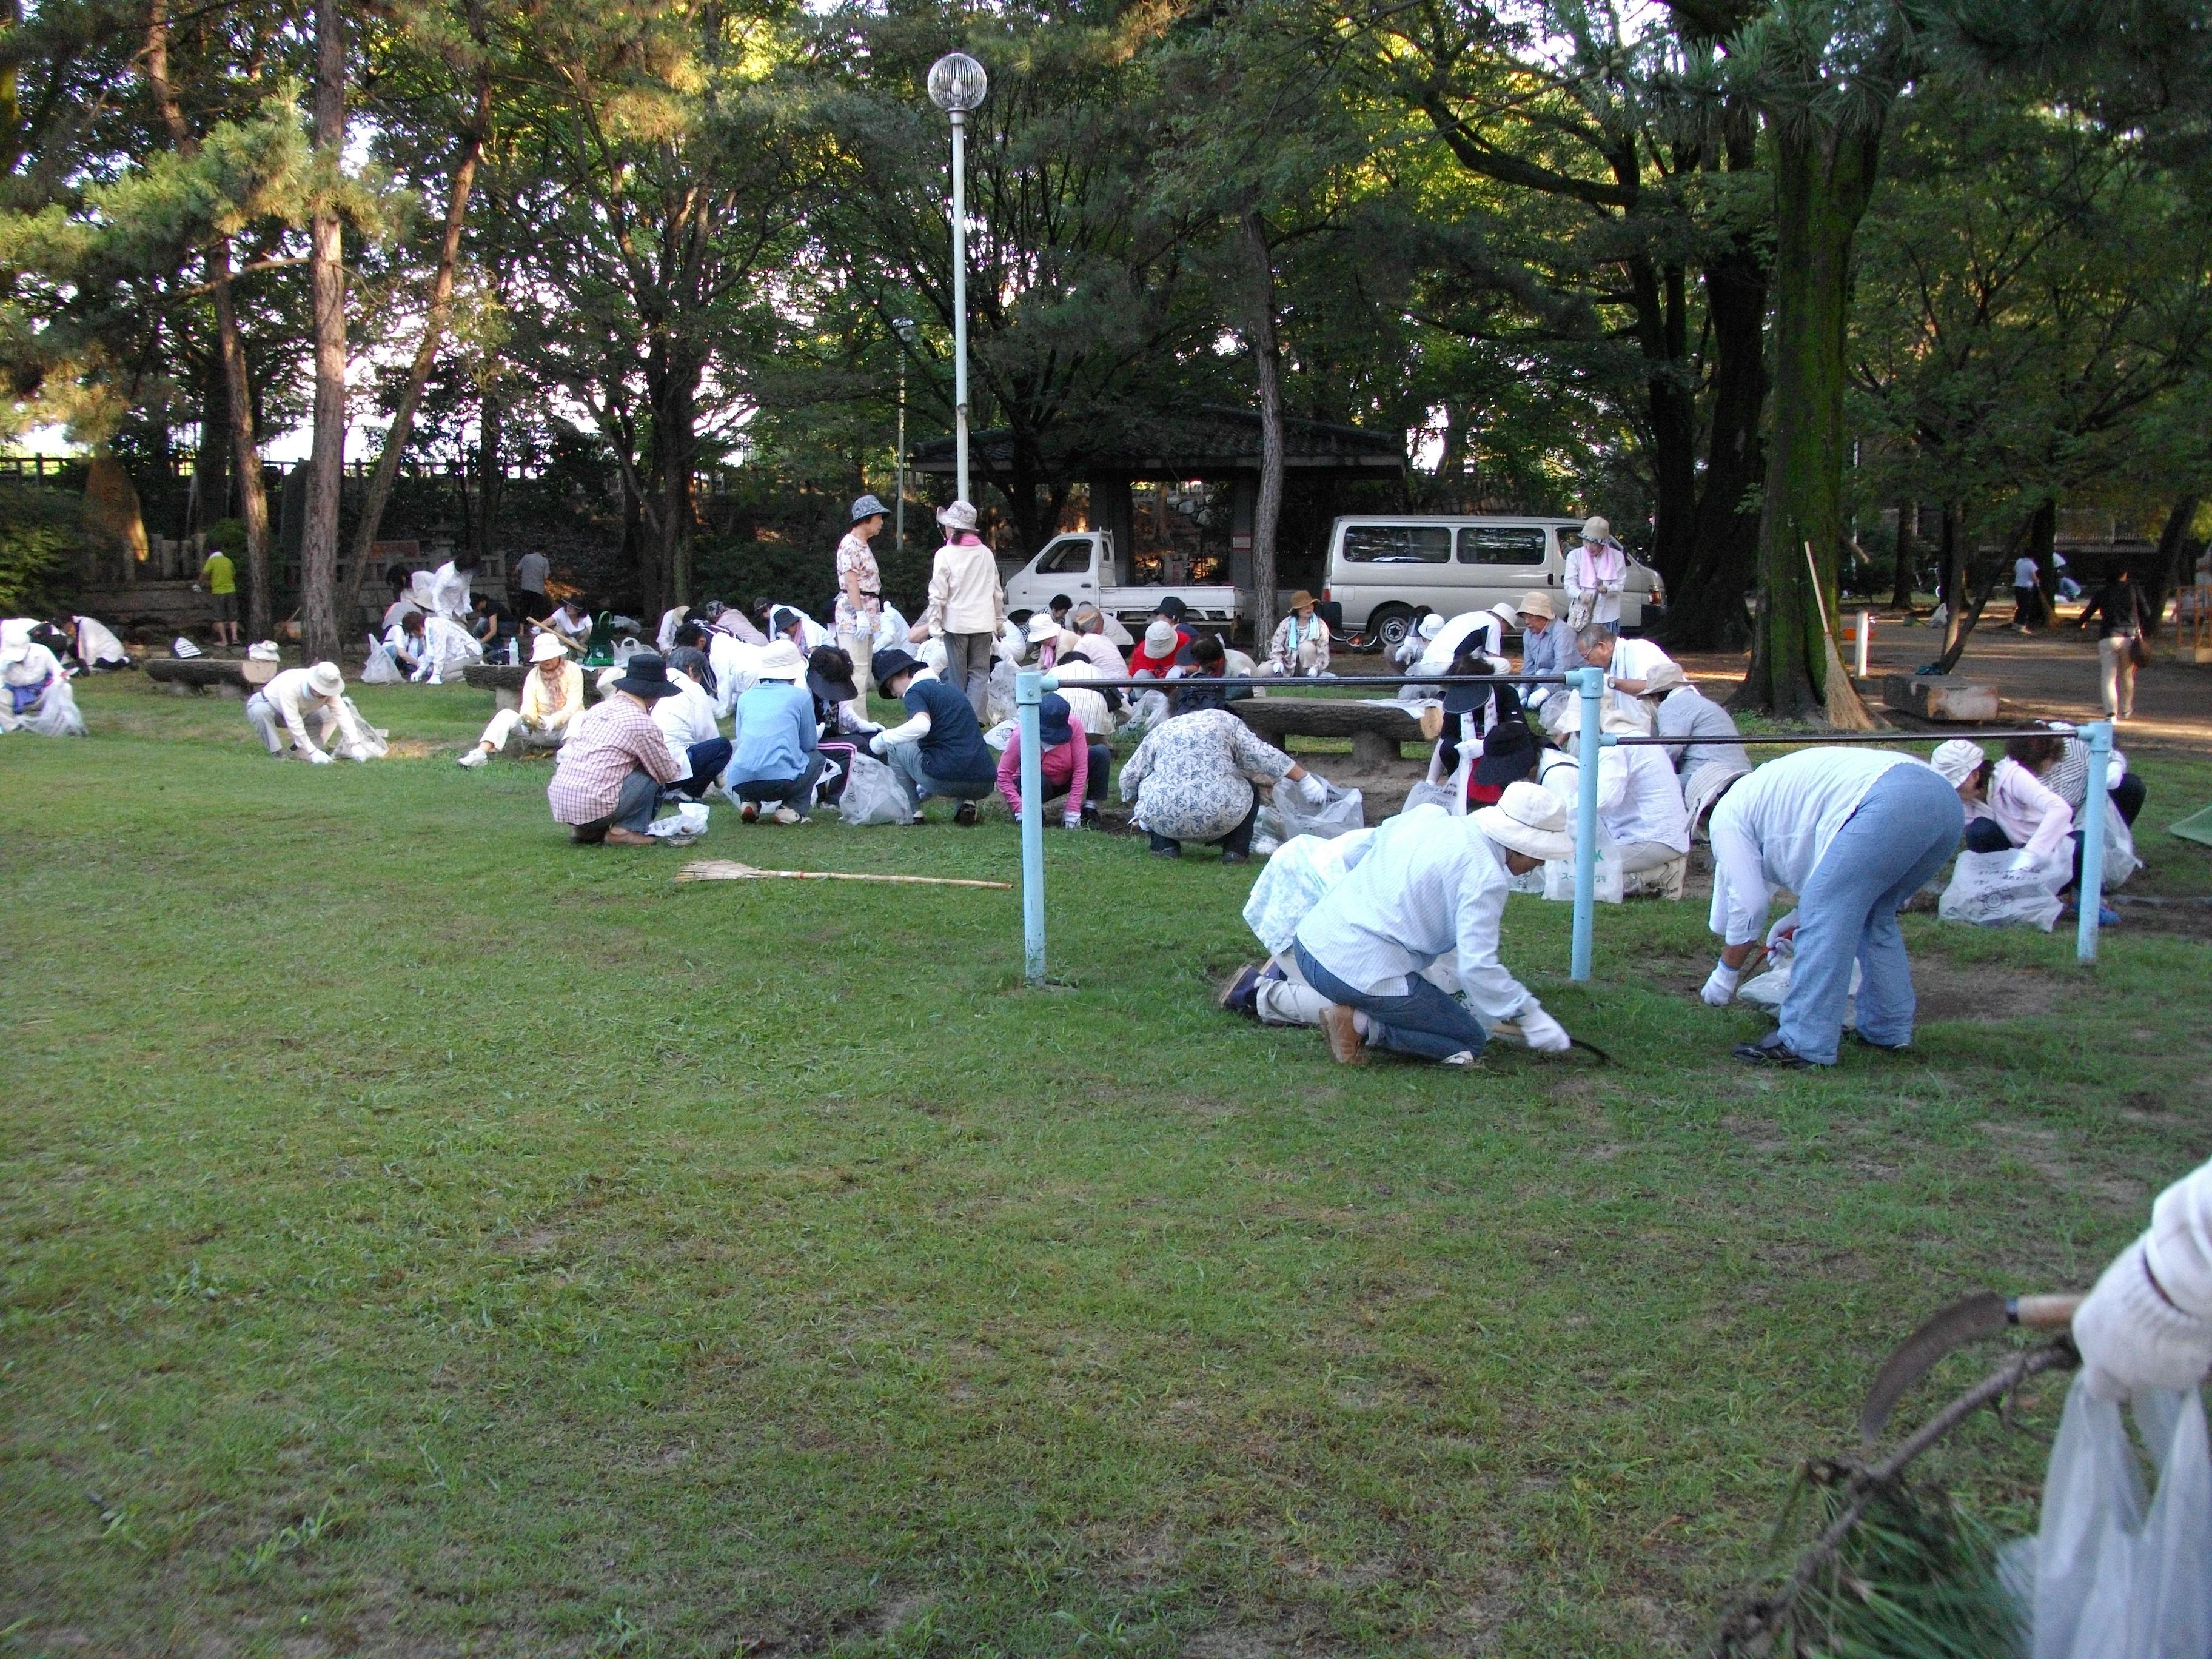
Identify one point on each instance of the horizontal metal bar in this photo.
(1613, 740)
(1258, 682)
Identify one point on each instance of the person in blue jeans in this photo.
(1854, 833)
(940, 749)
(775, 752)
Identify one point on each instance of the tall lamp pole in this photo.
(903, 327)
(957, 85)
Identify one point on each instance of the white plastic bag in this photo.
(1426, 794)
(55, 713)
(356, 739)
(2109, 1575)
(1303, 869)
(689, 819)
(874, 794)
(1340, 812)
(1984, 892)
(999, 736)
(382, 668)
(1606, 884)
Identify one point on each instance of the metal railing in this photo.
(1030, 685)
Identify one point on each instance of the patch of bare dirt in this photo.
(2040, 1150)
(1983, 992)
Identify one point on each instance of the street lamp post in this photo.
(957, 85)
(903, 327)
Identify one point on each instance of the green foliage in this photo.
(227, 534)
(1916, 1578)
(40, 533)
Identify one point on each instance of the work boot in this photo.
(1345, 1043)
(1771, 1050)
(1089, 820)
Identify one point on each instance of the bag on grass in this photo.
(1607, 883)
(1303, 869)
(2113, 1572)
(1985, 891)
(55, 713)
(689, 819)
(1340, 812)
(382, 668)
(874, 794)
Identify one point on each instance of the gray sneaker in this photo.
(785, 815)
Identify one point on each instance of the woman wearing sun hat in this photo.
(967, 606)
(552, 701)
(1300, 646)
(1431, 886)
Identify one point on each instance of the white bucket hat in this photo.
(1957, 760)
(1529, 818)
(547, 647)
(1160, 637)
(1431, 625)
(961, 515)
(324, 680)
(1041, 628)
(1596, 530)
(780, 661)
(1505, 611)
(265, 651)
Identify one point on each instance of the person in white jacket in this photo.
(1854, 833)
(2147, 1324)
(289, 699)
(34, 691)
(551, 702)
(447, 647)
(1640, 807)
(1428, 885)
(967, 606)
(1597, 573)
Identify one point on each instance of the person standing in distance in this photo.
(967, 606)
(220, 577)
(859, 605)
(1597, 571)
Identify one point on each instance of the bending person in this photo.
(607, 784)
(776, 752)
(1191, 779)
(1428, 885)
(1071, 764)
(1854, 833)
(288, 699)
(552, 699)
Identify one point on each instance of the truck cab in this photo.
(1081, 563)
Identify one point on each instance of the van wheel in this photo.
(1389, 625)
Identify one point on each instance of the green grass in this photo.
(424, 1236)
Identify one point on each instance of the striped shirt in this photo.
(612, 740)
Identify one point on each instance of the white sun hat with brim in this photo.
(1528, 819)
(1957, 760)
(546, 647)
(1041, 628)
(1507, 612)
(1160, 637)
(780, 661)
(1596, 530)
(960, 515)
(324, 680)
(1666, 676)
(1431, 625)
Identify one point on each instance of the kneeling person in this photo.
(939, 750)
(1431, 884)
(1069, 763)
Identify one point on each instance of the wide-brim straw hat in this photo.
(780, 661)
(1300, 599)
(1042, 627)
(1537, 602)
(1528, 819)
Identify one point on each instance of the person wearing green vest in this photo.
(220, 577)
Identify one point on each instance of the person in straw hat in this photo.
(289, 699)
(1430, 886)
(1300, 646)
(1854, 833)
(1547, 645)
(967, 606)
(1596, 572)
(552, 700)
(1702, 737)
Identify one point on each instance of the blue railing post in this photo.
(2096, 802)
(1029, 687)
(1590, 685)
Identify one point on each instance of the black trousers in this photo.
(1238, 840)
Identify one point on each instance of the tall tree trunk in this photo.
(2042, 542)
(491, 468)
(1671, 410)
(396, 437)
(252, 494)
(211, 470)
(1904, 558)
(1705, 607)
(1952, 582)
(665, 572)
(1267, 368)
(2172, 543)
(318, 559)
(1823, 180)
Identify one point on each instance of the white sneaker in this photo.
(785, 815)
(1464, 1057)
(474, 758)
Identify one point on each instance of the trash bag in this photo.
(1768, 990)
(874, 794)
(1983, 891)
(689, 819)
(1151, 708)
(1303, 869)
(2109, 1575)
(1606, 884)
(357, 740)
(55, 713)
(1341, 811)
(1426, 794)
(999, 694)
(382, 668)
(999, 736)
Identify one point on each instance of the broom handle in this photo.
(1819, 603)
(853, 875)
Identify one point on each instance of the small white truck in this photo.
(1080, 564)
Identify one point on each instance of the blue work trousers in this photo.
(1425, 1023)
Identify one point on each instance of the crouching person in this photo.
(777, 753)
(1428, 885)
(552, 702)
(1191, 779)
(288, 699)
(1072, 766)
(611, 769)
(940, 749)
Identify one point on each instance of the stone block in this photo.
(1940, 697)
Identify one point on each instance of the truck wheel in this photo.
(1389, 626)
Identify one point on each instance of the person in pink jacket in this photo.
(1072, 765)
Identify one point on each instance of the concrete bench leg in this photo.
(1371, 751)
(505, 700)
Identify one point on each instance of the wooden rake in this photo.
(730, 870)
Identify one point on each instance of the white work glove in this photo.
(876, 744)
(318, 758)
(1314, 792)
(1543, 1033)
(2022, 862)
(1720, 985)
(2131, 1337)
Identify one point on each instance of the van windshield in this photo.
(1386, 543)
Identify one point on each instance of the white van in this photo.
(1384, 570)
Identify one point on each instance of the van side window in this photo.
(1382, 544)
(1500, 545)
(1069, 558)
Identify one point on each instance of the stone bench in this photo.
(1376, 729)
(228, 677)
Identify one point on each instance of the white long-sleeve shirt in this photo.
(446, 645)
(293, 699)
(964, 593)
(2178, 1244)
(444, 591)
(1643, 801)
(684, 718)
(1632, 660)
(1600, 575)
(1428, 884)
(1436, 655)
(736, 668)
(1772, 827)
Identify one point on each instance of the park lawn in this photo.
(422, 1236)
